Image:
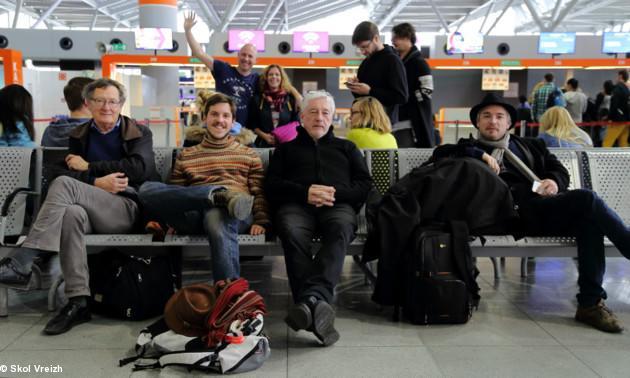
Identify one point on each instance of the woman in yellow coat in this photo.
(370, 125)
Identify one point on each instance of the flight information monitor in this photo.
(310, 42)
(154, 39)
(616, 43)
(239, 38)
(556, 43)
(464, 43)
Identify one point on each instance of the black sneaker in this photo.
(324, 323)
(11, 275)
(299, 317)
(70, 315)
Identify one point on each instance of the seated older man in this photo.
(94, 192)
(316, 184)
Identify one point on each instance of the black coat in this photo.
(619, 108)
(331, 161)
(538, 158)
(418, 107)
(385, 73)
(450, 189)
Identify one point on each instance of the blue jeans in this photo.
(583, 214)
(188, 210)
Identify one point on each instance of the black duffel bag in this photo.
(131, 287)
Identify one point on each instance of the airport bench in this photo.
(603, 170)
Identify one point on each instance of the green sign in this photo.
(119, 47)
(354, 62)
(511, 63)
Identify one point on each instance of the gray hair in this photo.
(104, 83)
(313, 95)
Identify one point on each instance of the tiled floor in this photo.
(524, 327)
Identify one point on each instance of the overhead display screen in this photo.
(239, 38)
(556, 43)
(154, 39)
(464, 43)
(311, 42)
(616, 43)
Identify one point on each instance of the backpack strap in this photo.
(463, 259)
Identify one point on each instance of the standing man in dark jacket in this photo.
(56, 134)
(539, 182)
(381, 74)
(420, 85)
(316, 184)
(619, 112)
(95, 192)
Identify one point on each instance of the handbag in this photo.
(286, 133)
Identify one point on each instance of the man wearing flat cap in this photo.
(539, 183)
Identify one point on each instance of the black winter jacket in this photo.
(139, 161)
(298, 164)
(450, 189)
(385, 73)
(418, 107)
(538, 158)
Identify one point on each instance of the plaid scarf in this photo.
(276, 99)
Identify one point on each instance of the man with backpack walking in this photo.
(546, 96)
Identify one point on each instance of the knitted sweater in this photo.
(223, 163)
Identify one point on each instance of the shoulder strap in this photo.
(463, 259)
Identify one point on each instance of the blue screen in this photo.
(556, 43)
(616, 43)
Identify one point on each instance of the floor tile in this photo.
(14, 326)
(338, 361)
(607, 362)
(458, 361)
(87, 363)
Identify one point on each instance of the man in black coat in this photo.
(381, 74)
(539, 183)
(316, 184)
(419, 83)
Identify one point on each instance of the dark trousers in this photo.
(583, 214)
(297, 225)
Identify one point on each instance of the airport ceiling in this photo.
(279, 15)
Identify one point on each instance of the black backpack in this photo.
(132, 287)
(440, 276)
(555, 98)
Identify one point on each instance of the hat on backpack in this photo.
(492, 99)
(186, 312)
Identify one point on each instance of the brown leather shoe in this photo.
(599, 316)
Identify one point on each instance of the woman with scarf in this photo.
(274, 113)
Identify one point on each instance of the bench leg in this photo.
(495, 266)
(366, 268)
(52, 293)
(523, 266)
(4, 301)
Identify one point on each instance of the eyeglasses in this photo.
(100, 102)
(353, 112)
(365, 46)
